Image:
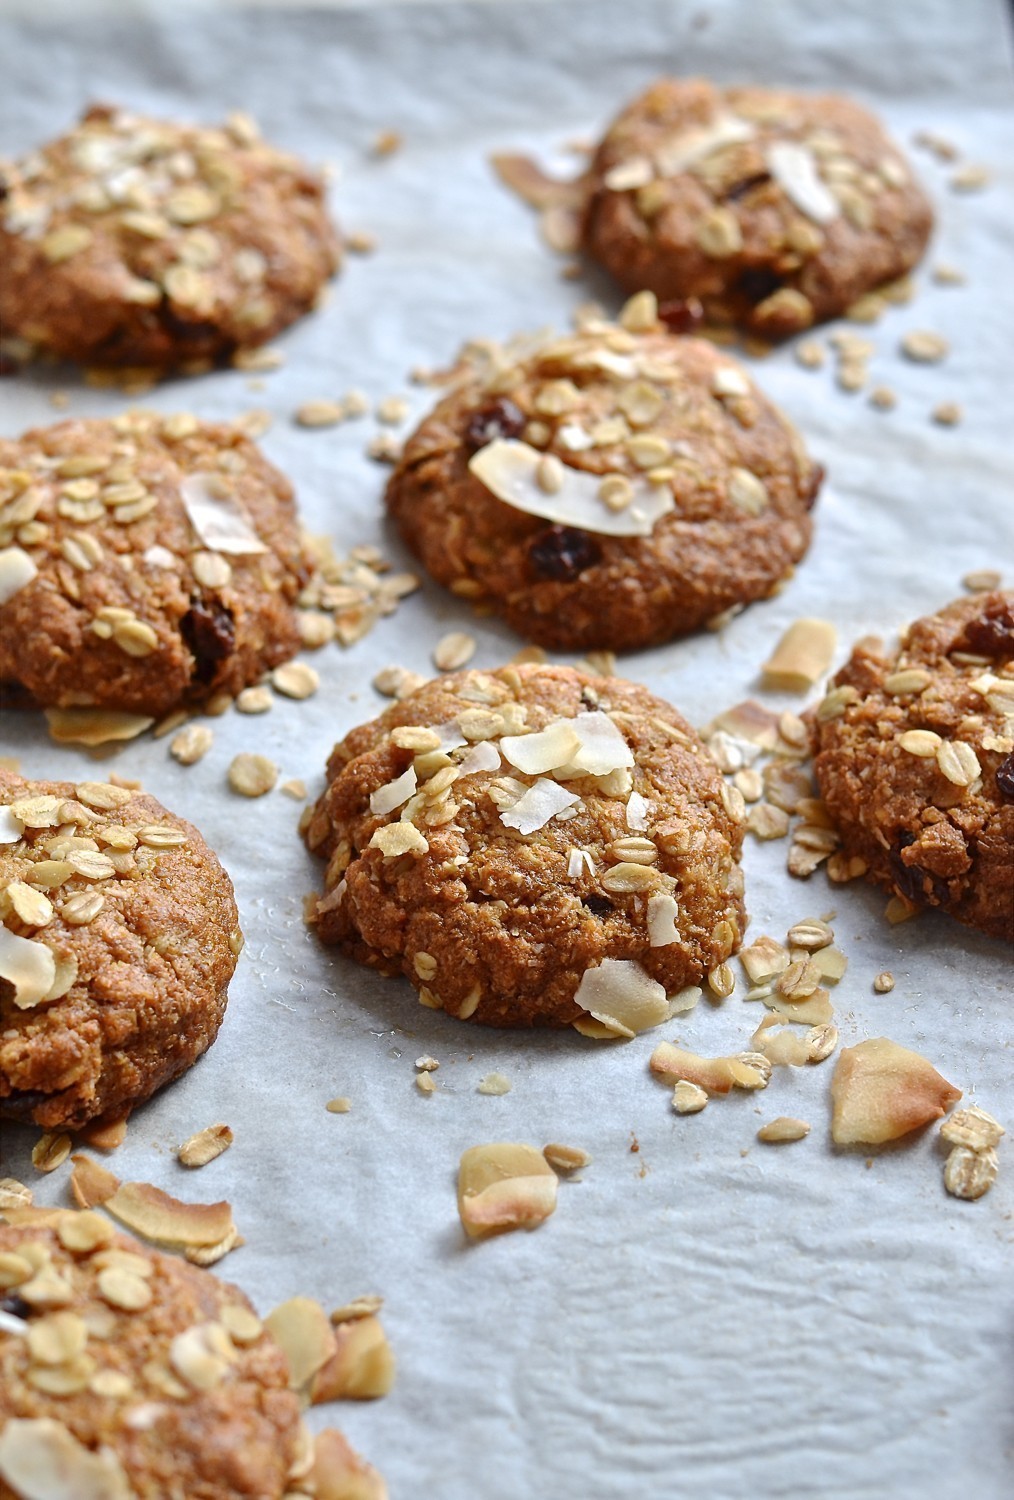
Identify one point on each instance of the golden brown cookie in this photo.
(139, 242)
(610, 488)
(134, 1375)
(914, 754)
(775, 210)
(531, 846)
(119, 938)
(145, 562)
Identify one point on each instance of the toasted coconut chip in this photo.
(815, 1010)
(551, 747)
(698, 141)
(217, 517)
(481, 757)
(783, 1128)
(662, 913)
(361, 1367)
(159, 1217)
(304, 1331)
(205, 1145)
(510, 470)
(11, 826)
(783, 1048)
(504, 1186)
(538, 806)
(603, 748)
(340, 1474)
(579, 860)
(637, 812)
(526, 178)
(91, 1184)
(621, 996)
(41, 1460)
(595, 1029)
(16, 571)
(94, 726)
(803, 655)
(794, 168)
(713, 1074)
(209, 1255)
(881, 1091)
(394, 794)
(566, 1158)
(28, 966)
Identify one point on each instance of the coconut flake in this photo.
(578, 860)
(218, 519)
(540, 803)
(637, 812)
(483, 756)
(42, 1460)
(29, 966)
(509, 470)
(699, 141)
(621, 996)
(794, 168)
(158, 557)
(574, 438)
(11, 827)
(602, 747)
(451, 737)
(635, 172)
(662, 914)
(394, 793)
(545, 751)
(16, 570)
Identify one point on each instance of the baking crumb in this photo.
(386, 143)
(884, 982)
(810, 354)
(424, 1083)
(924, 347)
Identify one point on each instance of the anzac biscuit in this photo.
(531, 846)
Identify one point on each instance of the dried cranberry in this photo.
(8, 366)
(1005, 777)
(16, 1306)
(682, 314)
(910, 880)
(992, 634)
(497, 419)
(741, 188)
(4, 188)
(562, 553)
(812, 489)
(757, 283)
(209, 631)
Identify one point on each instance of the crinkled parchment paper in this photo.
(703, 1315)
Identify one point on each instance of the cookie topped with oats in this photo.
(119, 937)
(532, 846)
(774, 210)
(143, 243)
(145, 562)
(613, 487)
(914, 754)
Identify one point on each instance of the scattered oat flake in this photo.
(392, 411)
(982, 580)
(947, 414)
(424, 1083)
(427, 1064)
(191, 744)
(320, 413)
(50, 1151)
(688, 1098)
(453, 651)
(924, 347)
(883, 398)
(566, 1158)
(494, 1083)
(252, 775)
(387, 142)
(339, 1106)
(948, 275)
(971, 178)
(254, 700)
(784, 1128)
(810, 354)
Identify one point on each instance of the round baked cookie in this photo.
(140, 242)
(776, 210)
(145, 562)
(119, 938)
(531, 846)
(610, 488)
(914, 754)
(134, 1375)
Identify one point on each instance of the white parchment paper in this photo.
(703, 1315)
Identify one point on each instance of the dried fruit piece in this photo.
(881, 1091)
(504, 1186)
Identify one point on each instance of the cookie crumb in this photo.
(688, 1098)
(810, 354)
(386, 143)
(948, 275)
(295, 787)
(427, 1064)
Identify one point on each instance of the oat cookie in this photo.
(140, 242)
(776, 210)
(119, 938)
(531, 846)
(145, 562)
(133, 1374)
(610, 488)
(914, 753)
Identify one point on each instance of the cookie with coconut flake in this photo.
(774, 210)
(119, 937)
(134, 1375)
(914, 754)
(531, 846)
(614, 487)
(145, 562)
(139, 242)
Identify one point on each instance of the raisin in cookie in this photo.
(775, 210)
(118, 942)
(914, 754)
(610, 488)
(134, 1375)
(531, 846)
(146, 562)
(139, 242)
